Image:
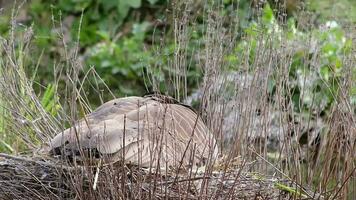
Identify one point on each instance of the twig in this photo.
(22, 159)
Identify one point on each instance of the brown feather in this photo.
(149, 129)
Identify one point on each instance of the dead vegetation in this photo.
(39, 178)
(321, 167)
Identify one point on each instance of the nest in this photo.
(38, 178)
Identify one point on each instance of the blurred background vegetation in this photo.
(133, 46)
(120, 38)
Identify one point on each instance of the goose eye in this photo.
(115, 104)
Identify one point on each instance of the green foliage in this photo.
(49, 100)
(290, 190)
(112, 38)
(116, 43)
(313, 87)
(123, 60)
(115, 38)
(4, 139)
(102, 15)
(342, 10)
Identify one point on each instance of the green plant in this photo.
(49, 100)
(314, 86)
(122, 61)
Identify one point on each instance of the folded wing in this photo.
(141, 130)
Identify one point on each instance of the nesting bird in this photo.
(149, 131)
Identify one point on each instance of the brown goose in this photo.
(146, 130)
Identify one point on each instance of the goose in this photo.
(150, 131)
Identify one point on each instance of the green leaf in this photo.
(8, 146)
(103, 34)
(347, 46)
(152, 1)
(123, 6)
(123, 10)
(338, 64)
(139, 30)
(133, 3)
(324, 71)
(48, 95)
(267, 16)
(108, 4)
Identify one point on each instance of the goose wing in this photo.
(143, 130)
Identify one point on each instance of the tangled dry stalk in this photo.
(39, 178)
(245, 133)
